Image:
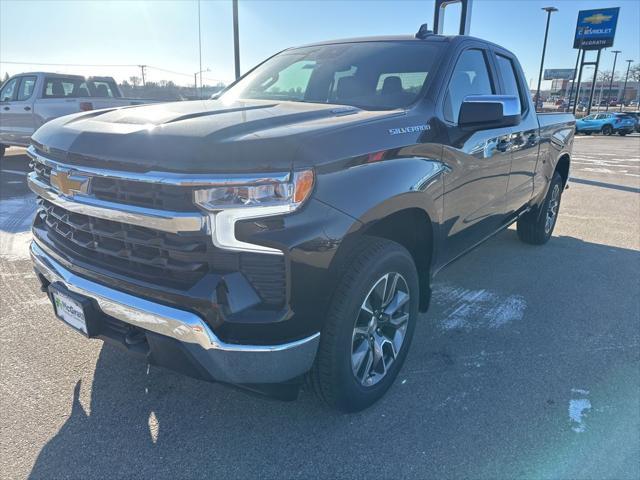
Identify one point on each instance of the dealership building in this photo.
(561, 88)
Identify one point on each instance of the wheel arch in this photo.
(411, 227)
(415, 238)
(562, 167)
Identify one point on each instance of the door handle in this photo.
(503, 145)
(533, 140)
(6, 108)
(27, 108)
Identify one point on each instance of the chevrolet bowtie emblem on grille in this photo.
(69, 183)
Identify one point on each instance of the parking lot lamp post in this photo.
(613, 74)
(549, 11)
(624, 89)
(236, 39)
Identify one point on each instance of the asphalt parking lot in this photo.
(526, 366)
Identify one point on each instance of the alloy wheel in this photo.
(380, 329)
(552, 209)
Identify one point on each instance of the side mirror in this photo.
(482, 112)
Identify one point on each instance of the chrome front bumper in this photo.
(225, 362)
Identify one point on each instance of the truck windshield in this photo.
(369, 75)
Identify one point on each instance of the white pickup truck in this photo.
(29, 100)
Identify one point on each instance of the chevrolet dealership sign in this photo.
(596, 28)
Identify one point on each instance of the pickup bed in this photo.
(291, 228)
(29, 100)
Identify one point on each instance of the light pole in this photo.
(236, 38)
(549, 11)
(624, 89)
(613, 74)
(199, 49)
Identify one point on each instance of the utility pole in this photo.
(549, 11)
(613, 74)
(624, 89)
(195, 84)
(142, 67)
(236, 38)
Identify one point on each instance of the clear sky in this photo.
(165, 33)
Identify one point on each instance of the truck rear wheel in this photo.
(536, 226)
(369, 327)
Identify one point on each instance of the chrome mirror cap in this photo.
(482, 112)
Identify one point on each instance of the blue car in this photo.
(606, 123)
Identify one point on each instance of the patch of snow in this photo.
(578, 410)
(15, 246)
(467, 308)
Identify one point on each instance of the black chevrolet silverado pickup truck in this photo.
(291, 228)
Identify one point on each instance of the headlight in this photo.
(287, 195)
(260, 198)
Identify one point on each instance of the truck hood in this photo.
(199, 136)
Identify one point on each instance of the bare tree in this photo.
(135, 81)
(634, 74)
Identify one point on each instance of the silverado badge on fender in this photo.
(412, 129)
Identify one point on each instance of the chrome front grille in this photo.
(163, 197)
(151, 195)
(172, 260)
(173, 251)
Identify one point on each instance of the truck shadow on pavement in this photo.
(475, 398)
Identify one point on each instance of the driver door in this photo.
(480, 161)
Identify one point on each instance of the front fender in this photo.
(371, 191)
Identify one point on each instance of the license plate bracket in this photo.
(75, 310)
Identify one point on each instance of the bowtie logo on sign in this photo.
(596, 29)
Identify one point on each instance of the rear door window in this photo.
(509, 78)
(470, 77)
(27, 86)
(62, 87)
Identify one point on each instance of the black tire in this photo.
(2, 150)
(332, 377)
(622, 134)
(532, 226)
(587, 133)
(607, 130)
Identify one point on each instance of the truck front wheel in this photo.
(370, 324)
(536, 226)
